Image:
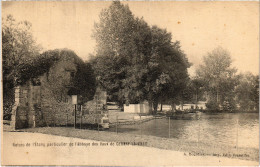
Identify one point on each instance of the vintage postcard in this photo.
(130, 83)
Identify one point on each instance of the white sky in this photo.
(200, 26)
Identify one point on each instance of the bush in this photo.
(8, 101)
(212, 105)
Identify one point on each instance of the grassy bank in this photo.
(191, 147)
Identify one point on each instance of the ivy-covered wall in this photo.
(45, 100)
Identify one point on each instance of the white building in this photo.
(137, 108)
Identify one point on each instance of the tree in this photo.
(134, 61)
(197, 86)
(247, 92)
(219, 77)
(18, 48)
(120, 44)
(193, 91)
(167, 68)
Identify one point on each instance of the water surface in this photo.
(231, 129)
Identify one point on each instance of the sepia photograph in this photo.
(130, 83)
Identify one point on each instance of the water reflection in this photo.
(222, 128)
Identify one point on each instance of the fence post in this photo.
(67, 120)
(237, 136)
(155, 125)
(169, 127)
(80, 116)
(116, 123)
(140, 125)
(199, 135)
(75, 116)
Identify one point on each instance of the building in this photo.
(44, 99)
(200, 105)
(137, 108)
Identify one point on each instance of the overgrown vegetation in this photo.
(83, 83)
(18, 48)
(22, 62)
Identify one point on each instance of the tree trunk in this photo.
(173, 106)
(155, 106)
(218, 101)
(150, 103)
(217, 97)
(196, 105)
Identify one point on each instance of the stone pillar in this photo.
(14, 108)
(31, 111)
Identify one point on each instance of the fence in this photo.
(166, 128)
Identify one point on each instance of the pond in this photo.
(220, 128)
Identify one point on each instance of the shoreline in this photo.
(190, 147)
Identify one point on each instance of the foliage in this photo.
(212, 105)
(218, 76)
(167, 68)
(247, 92)
(229, 105)
(121, 49)
(18, 48)
(193, 91)
(84, 82)
(134, 61)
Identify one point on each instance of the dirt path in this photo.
(84, 153)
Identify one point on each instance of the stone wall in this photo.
(56, 107)
(20, 109)
(48, 103)
(95, 109)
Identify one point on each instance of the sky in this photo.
(199, 26)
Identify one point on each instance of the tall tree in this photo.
(218, 76)
(135, 61)
(18, 48)
(167, 68)
(122, 43)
